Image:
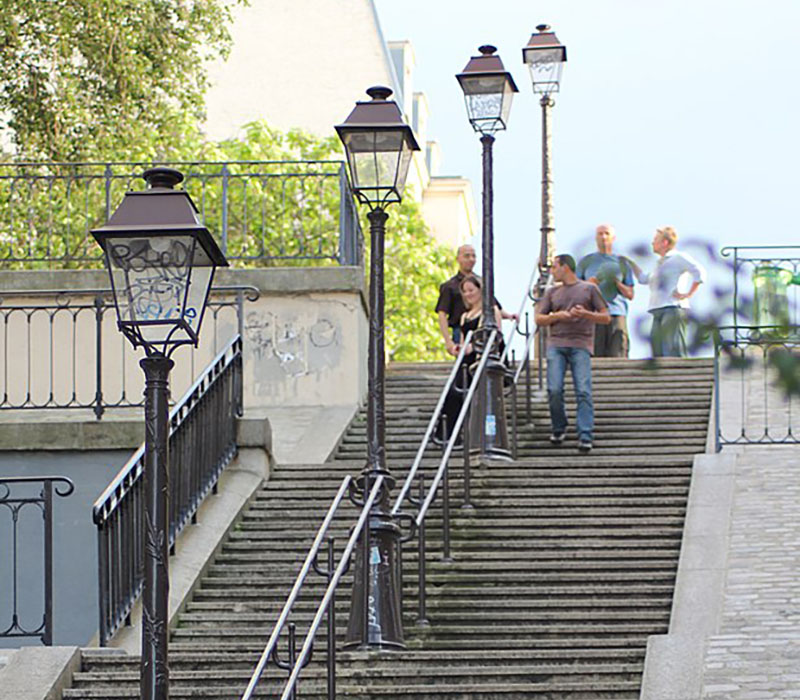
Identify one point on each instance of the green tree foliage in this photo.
(415, 266)
(103, 79)
(124, 80)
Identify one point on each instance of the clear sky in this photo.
(675, 112)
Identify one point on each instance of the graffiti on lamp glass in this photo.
(156, 275)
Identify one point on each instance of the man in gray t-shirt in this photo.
(571, 310)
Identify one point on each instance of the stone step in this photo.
(560, 572)
(575, 690)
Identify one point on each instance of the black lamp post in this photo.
(379, 145)
(546, 58)
(488, 91)
(161, 262)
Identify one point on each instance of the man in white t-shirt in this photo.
(668, 304)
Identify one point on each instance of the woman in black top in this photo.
(470, 321)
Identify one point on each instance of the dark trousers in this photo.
(611, 339)
(668, 334)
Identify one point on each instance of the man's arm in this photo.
(598, 312)
(691, 291)
(544, 317)
(625, 289)
(449, 345)
(578, 311)
(697, 272)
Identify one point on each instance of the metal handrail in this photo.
(99, 511)
(431, 425)
(344, 563)
(515, 327)
(298, 584)
(526, 356)
(456, 428)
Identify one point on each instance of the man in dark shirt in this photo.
(450, 306)
(571, 310)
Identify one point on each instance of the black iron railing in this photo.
(202, 443)
(267, 212)
(755, 385)
(36, 495)
(61, 350)
(766, 286)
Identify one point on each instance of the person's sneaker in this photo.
(556, 438)
(584, 446)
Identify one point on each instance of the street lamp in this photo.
(379, 146)
(545, 58)
(161, 262)
(488, 90)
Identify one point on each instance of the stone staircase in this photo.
(560, 573)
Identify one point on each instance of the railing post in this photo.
(717, 427)
(102, 575)
(513, 410)
(99, 304)
(422, 614)
(331, 660)
(224, 232)
(528, 402)
(465, 436)
(292, 656)
(47, 493)
(107, 176)
(345, 228)
(446, 506)
(736, 293)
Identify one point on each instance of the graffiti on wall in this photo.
(289, 346)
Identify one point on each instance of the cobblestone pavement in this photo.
(756, 654)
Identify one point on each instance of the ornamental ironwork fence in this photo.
(202, 442)
(766, 287)
(61, 350)
(19, 496)
(261, 212)
(756, 397)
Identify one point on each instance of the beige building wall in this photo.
(448, 207)
(297, 63)
(304, 63)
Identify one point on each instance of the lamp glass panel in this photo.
(151, 279)
(508, 96)
(486, 98)
(402, 167)
(545, 76)
(379, 162)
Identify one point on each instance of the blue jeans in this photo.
(580, 364)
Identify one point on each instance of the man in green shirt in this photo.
(614, 277)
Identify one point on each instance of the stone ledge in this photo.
(76, 431)
(39, 673)
(269, 280)
(673, 667)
